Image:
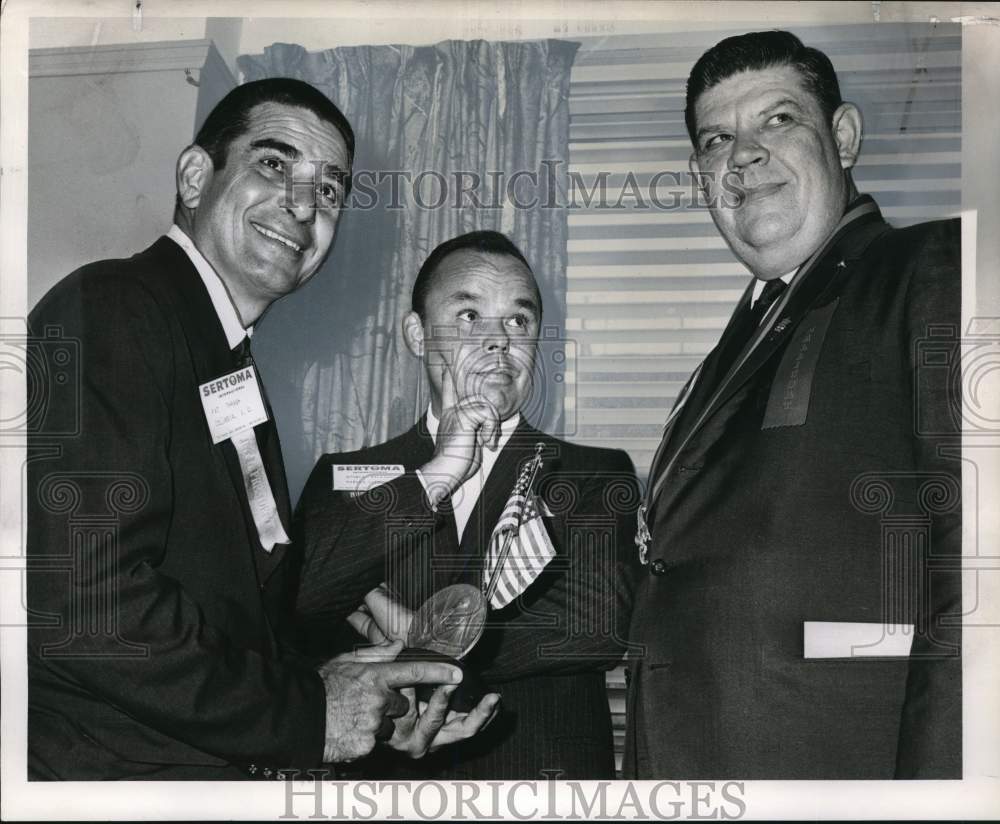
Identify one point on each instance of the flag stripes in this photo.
(520, 533)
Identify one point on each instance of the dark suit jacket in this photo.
(546, 653)
(815, 486)
(156, 615)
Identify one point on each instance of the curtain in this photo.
(451, 138)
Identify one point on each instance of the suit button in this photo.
(658, 567)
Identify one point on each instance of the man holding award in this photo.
(483, 520)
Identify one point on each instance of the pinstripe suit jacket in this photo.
(546, 653)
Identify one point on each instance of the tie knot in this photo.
(241, 353)
(771, 292)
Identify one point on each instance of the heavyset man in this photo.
(799, 516)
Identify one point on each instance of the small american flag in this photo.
(520, 546)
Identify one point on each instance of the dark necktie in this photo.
(745, 327)
(771, 292)
(241, 353)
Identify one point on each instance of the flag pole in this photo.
(510, 532)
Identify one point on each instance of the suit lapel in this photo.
(857, 230)
(418, 449)
(845, 245)
(694, 394)
(492, 500)
(418, 446)
(211, 356)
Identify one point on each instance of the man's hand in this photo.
(432, 726)
(362, 699)
(467, 425)
(381, 618)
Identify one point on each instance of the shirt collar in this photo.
(221, 301)
(507, 427)
(758, 285)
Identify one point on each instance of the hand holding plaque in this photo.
(444, 629)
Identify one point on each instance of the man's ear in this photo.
(194, 172)
(413, 333)
(847, 128)
(694, 167)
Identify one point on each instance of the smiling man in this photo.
(420, 512)
(158, 528)
(801, 613)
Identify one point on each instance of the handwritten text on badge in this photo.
(232, 403)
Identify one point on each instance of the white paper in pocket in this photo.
(852, 639)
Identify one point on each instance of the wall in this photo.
(108, 190)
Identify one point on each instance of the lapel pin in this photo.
(781, 325)
(842, 264)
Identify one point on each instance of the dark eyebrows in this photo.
(279, 146)
(461, 296)
(333, 171)
(330, 170)
(704, 130)
(527, 304)
(787, 102)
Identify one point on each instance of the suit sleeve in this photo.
(192, 682)
(930, 742)
(575, 617)
(349, 548)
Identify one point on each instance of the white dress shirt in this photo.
(758, 287)
(463, 500)
(223, 304)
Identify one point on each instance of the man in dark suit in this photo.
(157, 508)
(441, 489)
(800, 615)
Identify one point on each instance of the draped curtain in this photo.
(451, 138)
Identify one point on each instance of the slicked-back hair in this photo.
(230, 118)
(484, 241)
(761, 50)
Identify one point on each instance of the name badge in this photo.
(232, 403)
(362, 477)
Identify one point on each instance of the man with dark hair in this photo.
(422, 511)
(802, 526)
(157, 507)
